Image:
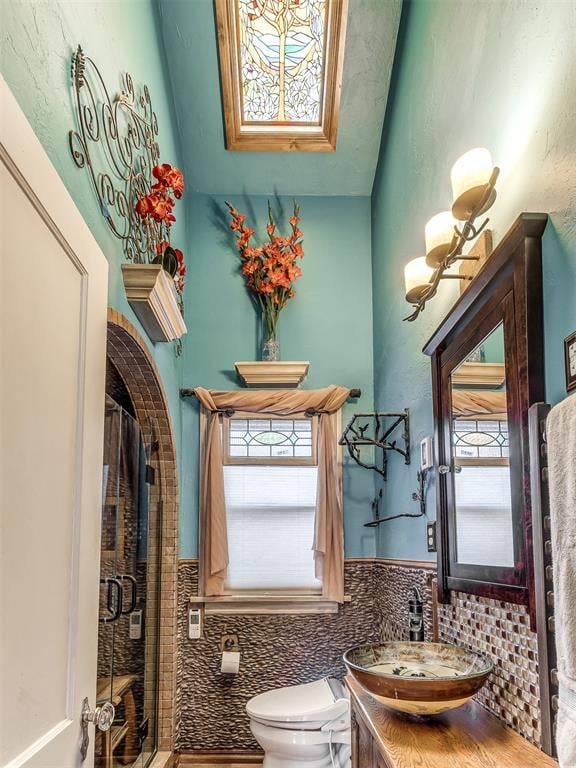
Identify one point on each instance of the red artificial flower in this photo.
(176, 182)
(242, 241)
(237, 222)
(298, 250)
(270, 269)
(250, 267)
(159, 207)
(142, 207)
(161, 247)
(168, 178)
(293, 272)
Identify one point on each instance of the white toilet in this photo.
(303, 726)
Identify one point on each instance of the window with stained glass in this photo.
(281, 69)
(480, 439)
(269, 440)
(282, 54)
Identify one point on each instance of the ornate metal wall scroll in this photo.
(116, 142)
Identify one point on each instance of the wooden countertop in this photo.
(467, 737)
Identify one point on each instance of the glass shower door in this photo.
(128, 640)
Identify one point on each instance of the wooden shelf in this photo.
(272, 374)
(479, 375)
(151, 294)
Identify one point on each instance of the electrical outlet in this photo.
(431, 536)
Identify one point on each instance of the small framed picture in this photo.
(570, 359)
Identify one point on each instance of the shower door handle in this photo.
(115, 608)
(133, 593)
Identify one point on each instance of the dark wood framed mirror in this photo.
(487, 369)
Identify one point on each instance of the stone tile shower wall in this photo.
(277, 650)
(499, 630)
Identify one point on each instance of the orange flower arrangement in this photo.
(269, 270)
(158, 205)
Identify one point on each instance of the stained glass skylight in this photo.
(282, 55)
(281, 72)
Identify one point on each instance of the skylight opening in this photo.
(281, 69)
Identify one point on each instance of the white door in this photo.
(53, 283)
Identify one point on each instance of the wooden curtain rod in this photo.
(354, 393)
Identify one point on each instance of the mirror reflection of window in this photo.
(480, 449)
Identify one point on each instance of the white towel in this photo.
(561, 438)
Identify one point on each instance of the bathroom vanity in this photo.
(468, 737)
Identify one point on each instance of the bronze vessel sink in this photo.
(418, 678)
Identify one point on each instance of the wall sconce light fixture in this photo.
(473, 179)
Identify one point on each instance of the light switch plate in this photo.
(426, 453)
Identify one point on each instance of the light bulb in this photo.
(469, 176)
(439, 233)
(417, 275)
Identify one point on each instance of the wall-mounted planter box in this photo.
(151, 294)
(272, 374)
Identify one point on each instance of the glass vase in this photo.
(271, 349)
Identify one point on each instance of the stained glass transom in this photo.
(270, 438)
(282, 58)
(480, 439)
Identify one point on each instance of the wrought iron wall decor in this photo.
(375, 430)
(116, 142)
(419, 496)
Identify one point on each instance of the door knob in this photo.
(445, 469)
(102, 718)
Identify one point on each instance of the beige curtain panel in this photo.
(329, 529)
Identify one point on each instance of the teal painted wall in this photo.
(500, 76)
(492, 74)
(37, 42)
(329, 323)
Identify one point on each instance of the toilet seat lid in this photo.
(297, 703)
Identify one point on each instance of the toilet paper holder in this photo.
(230, 663)
(230, 642)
